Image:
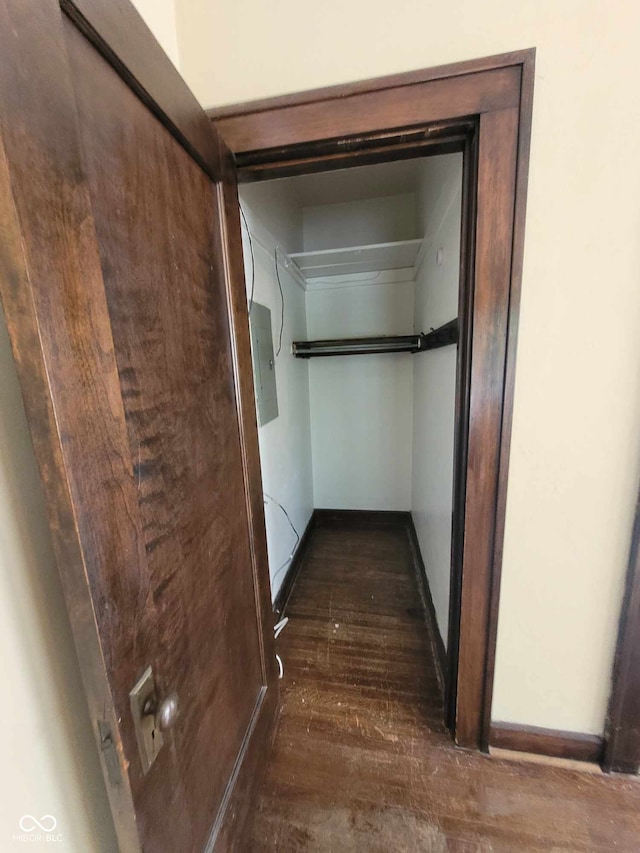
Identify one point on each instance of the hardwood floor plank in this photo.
(361, 760)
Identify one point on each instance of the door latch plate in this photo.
(143, 698)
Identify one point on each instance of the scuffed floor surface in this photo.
(361, 761)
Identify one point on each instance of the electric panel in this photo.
(264, 364)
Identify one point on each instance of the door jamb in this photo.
(622, 729)
(461, 436)
(483, 106)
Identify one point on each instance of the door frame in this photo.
(622, 727)
(483, 108)
(61, 341)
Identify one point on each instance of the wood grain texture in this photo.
(229, 831)
(172, 344)
(517, 258)
(573, 746)
(622, 733)
(231, 265)
(466, 289)
(117, 30)
(492, 274)
(361, 760)
(50, 276)
(369, 149)
(116, 287)
(369, 111)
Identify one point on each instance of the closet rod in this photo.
(440, 337)
(443, 336)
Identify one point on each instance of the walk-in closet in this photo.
(353, 286)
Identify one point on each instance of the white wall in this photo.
(285, 442)
(361, 405)
(275, 211)
(434, 375)
(575, 457)
(361, 222)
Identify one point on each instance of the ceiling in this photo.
(353, 184)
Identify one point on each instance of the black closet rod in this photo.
(441, 337)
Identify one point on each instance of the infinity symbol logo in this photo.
(47, 823)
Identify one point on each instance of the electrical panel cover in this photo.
(264, 364)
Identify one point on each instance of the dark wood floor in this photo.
(361, 761)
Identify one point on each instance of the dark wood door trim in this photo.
(622, 730)
(230, 249)
(517, 259)
(401, 106)
(368, 149)
(462, 403)
(573, 746)
(480, 572)
(484, 108)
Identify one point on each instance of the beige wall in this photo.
(575, 453)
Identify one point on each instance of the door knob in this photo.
(165, 713)
(151, 717)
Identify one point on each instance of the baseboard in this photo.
(575, 746)
(330, 516)
(360, 516)
(291, 575)
(440, 652)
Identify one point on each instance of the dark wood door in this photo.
(124, 298)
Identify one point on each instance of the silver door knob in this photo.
(165, 713)
(168, 712)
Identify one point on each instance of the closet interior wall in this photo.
(437, 282)
(361, 405)
(285, 442)
(368, 432)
